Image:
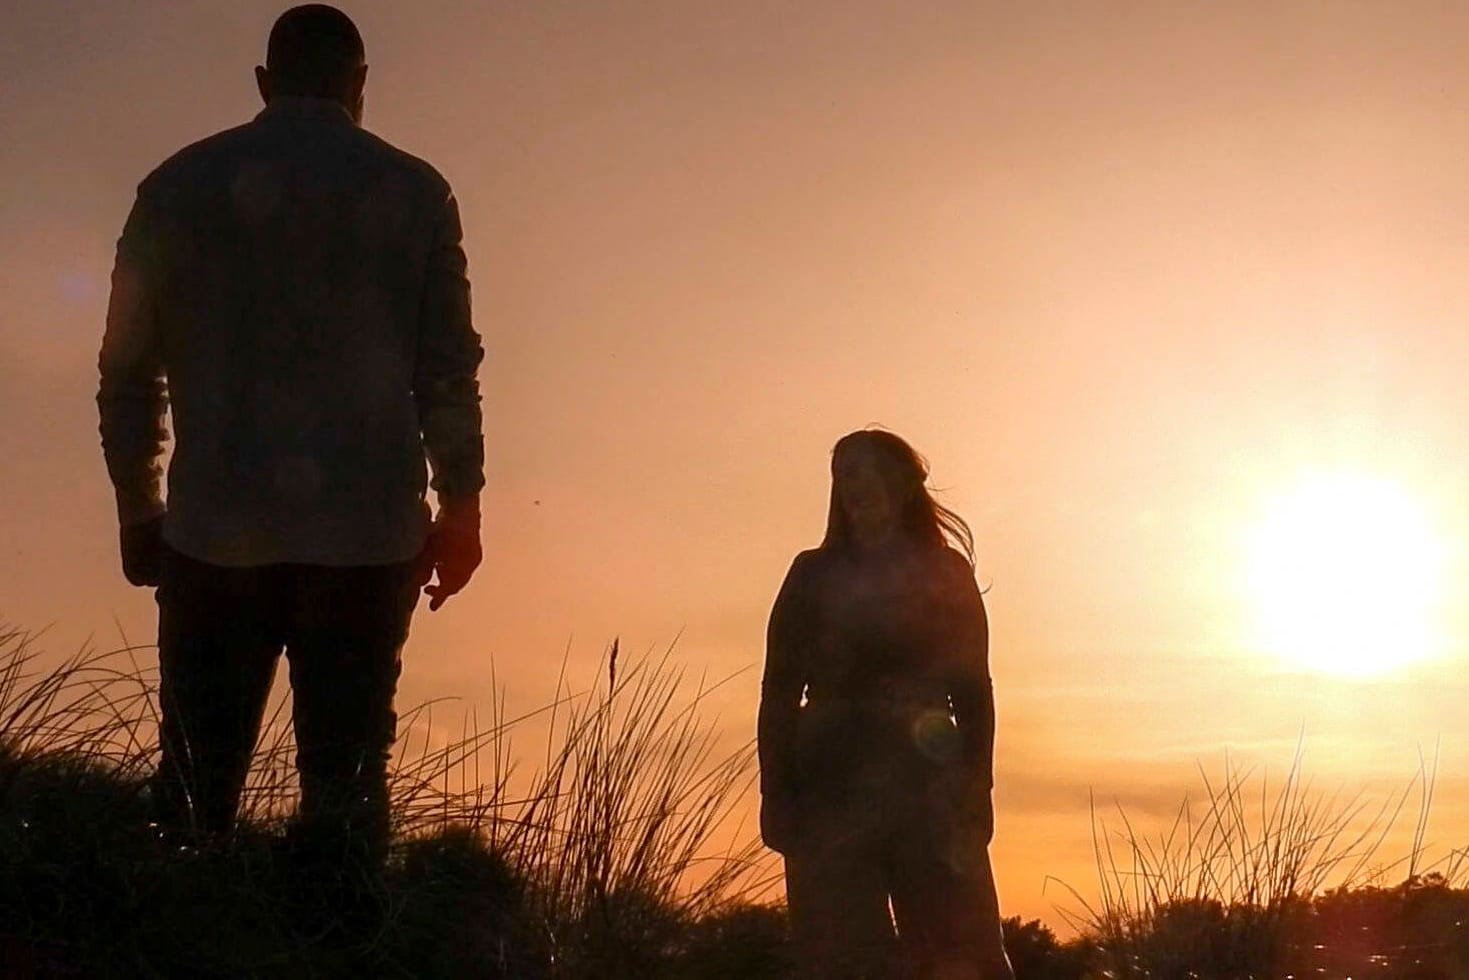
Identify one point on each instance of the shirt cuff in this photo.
(135, 507)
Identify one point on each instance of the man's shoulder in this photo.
(409, 163)
(218, 155)
(197, 157)
(410, 166)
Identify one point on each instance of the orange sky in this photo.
(1122, 272)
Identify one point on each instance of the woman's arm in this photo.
(972, 690)
(781, 687)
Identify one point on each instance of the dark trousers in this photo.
(221, 632)
(887, 886)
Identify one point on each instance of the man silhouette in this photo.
(294, 290)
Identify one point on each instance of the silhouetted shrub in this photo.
(745, 941)
(1036, 954)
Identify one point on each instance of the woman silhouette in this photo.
(876, 732)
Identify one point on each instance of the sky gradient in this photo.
(1123, 273)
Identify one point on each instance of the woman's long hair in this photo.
(905, 471)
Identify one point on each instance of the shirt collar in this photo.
(305, 107)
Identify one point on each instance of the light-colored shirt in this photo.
(294, 291)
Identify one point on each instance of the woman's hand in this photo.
(973, 806)
(778, 823)
(980, 812)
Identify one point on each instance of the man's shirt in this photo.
(294, 290)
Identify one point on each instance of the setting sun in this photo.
(1345, 576)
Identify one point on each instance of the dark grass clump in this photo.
(1274, 882)
(602, 864)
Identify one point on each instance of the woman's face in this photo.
(863, 490)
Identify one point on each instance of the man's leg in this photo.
(218, 641)
(347, 634)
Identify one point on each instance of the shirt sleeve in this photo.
(784, 680)
(446, 383)
(132, 396)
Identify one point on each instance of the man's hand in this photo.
(453, 549)
(142, 552)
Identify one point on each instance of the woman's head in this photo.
(878, 480)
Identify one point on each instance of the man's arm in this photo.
(446, 387)
(132, 398)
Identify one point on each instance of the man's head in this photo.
(315, 50)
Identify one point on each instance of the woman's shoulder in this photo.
(951, 572)
(806, 577)
(937, 558)
(949, 560)
(812, 561)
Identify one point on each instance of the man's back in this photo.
(297, 287)
(301, 284)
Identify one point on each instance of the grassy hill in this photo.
(601, 864)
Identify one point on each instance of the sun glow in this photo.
(1346, 574)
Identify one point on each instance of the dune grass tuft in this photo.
(1248, 881)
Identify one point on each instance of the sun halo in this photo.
(1345, 572)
